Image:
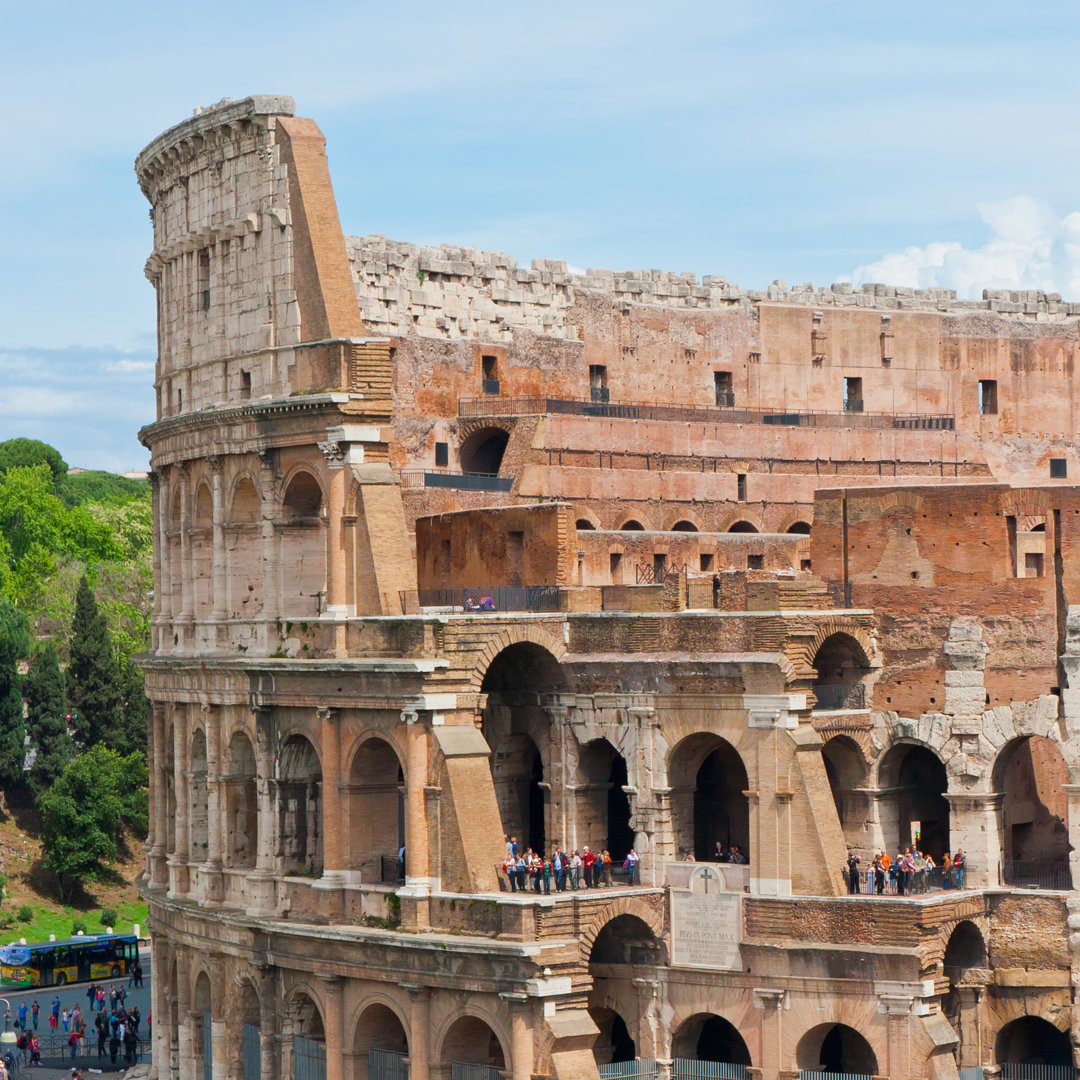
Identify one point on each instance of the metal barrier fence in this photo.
(461, 1070)
(309, 1059)
(207, 1047)
(1010, 1071)
(833, 1076)
(1036, 875)
(523, 406)
(252, 1039)
(415, 478)
(974, 1072)
(387, 1065)
(691, 1069)
(481, 599)
(638, 1069)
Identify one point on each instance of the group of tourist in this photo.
(566, 870)
(911, 871)
(733, 854)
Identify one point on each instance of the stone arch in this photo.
(602, 806)
(483, 450)
(710, 1037)
(742, 524)
(903, 498)
(632, 525)
(302, 493)
(684, 522)
(464, 1033)
(965, 949)
(798, 527)
(586, 521)
(514, 635)
(299, 799)
(243, 551)
(842, 672)
(847, 769)
(623, 905)
(202, 549)
(245, 499)
(241, 802)
(917, 780)
(198, 797)
(802, 650)
(303, 1011)
(376, 806)
(302, 545)
(380, 1025)
(835, 1048)
(202, 1007)
(1032, 1040)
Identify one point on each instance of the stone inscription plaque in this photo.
(706, 923)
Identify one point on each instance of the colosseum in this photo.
(456, 558)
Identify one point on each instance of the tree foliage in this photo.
(29, 452)
(14, 644)
(93, 486)
(86, 810)
(93, 675)
(47, 709)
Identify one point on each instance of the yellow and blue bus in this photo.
(77, 959)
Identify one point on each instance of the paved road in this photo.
(54, 1051)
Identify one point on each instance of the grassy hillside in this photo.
(30, 908)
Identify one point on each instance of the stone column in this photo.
(419, 1031)
(159, 871)
(179, 882)
(975, 826)
(521, 1040)
(968, 1023)
(158, 556)
(333, 856)
(159, 1002)
(1072, 793)
(335, 1023)
(649, 1043)
(337, 606)
(268, 512)
(269, 1035)
(261, 892)
(186, 570)
(898, 1007)
(418, 879)
(185, 1035)
(771, 1002)
(163, 582)
(218, 612)
(219, 1049)
(215, 806)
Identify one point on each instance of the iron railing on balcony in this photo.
(461, 1070)
(637, 1069)
(600, 394)
(415, 478)
(1011, 1071)
(1036, 875)
(853, 404)
(834, 696)
(692, 1069)
(387, 1065)
(526, 406)
(485, 598)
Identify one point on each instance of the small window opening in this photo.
(853, 395)
(804, 564)
(724, 388)
(442, 453)
(755, 562)
(706, 563)
(1059, 468)
(615, 560)
(204, 279)
(179, 400)
(741, 484)
(490, 375)
(988, 404)
(245, 384)
(598, 387)
(1033, 564)
(659, 564)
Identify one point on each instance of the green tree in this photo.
(47, 709)
(14, 645)
(84, 814)
(93, 677)
(30, 452)
(100, 487)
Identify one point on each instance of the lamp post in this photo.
(7, 1036)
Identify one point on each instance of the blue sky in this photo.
(929, 144)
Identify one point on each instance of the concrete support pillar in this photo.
(269, 1036)
(185, 1035)
(418, 878)
(771, 1002)
(337, 606)
(898, 1007)
(218, 579)
(187, 576)
(261, 892)
(521, 1039)
(159, 1003)
(215, 803)
(969, 1025)
(651, 1042)
(268, 511)
(975, 827)
(334, 1026)
(333, 854)
(159, 809)
(419, 1032)
(664, 848)
(179, 883)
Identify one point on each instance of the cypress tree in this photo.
(93, 677)
(47, 708)
(14, 644)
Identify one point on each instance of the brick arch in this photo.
(861, 738)
(742, 515)
(472, 425)
(517, 635)
(802, 650)
(935, 953)
(1025, 503)
(400, 1008)
(358, 742)
(902, 738)
(892, 500)
(479, 1010)
(624, 905)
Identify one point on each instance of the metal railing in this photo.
(387, 1065)
(633, 410)
(207, 1047)
(833, 696)
(309, 1059)
(252, 1045)
(638, 1069)
(462, 1070)
(807, 1075)
(1010, 1071)
(600, 394)
(1036, 875)
(416, 478)
(973, 1072)
(489, 598)
(692, 1069)
(853, 405)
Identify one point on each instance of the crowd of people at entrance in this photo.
(116, 1027)
(526, 869)
(911, 871)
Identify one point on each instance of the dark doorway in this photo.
(914, 810)
(721, 811)
(1032, 1041)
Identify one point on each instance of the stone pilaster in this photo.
(218, 578)
(419, 1032)
(214, 884)
(269, 1029)
(159, 811)
(418, 879)
(261, 892)
(337, 606)
(975, 827)
(771, 1002)
(187, 574)
(521, 1039)
(179, 881)
(333, 856)
(268, 512)
(334, 1025)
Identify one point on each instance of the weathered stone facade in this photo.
(351, 433)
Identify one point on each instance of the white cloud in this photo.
(1029, 247)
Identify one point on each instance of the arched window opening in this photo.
(603, 807)
(708, 1037)
(380, 1045)
(519, 683)
(1031, 1041)
(303, 497)
(626, 939)
(799, 528)
(913, 808)
(376, 812)
(202, 551)
(842, 670)
(300, 808)
(482, 452)
(1031, 775)
(169, 774)
(243, 574)
(684, 526)
(584, 525)
(242, 804)
(303, 549)
(199, 827)
(203, 1011)
(250, 1031)
(966, 951)
(846, 770)
(633, 525)
(742, 527)
(304, 1024)
(614, 1043)
(472, 1042)
(836, 1048)
(708, 798)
